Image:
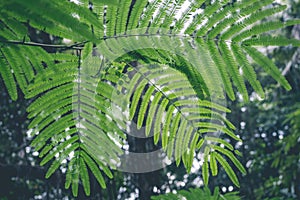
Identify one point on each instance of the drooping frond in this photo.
(163, 101)
(71, 126)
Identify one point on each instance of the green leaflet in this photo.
(44, 119)
(151, 113)
(191, 152)
(51, 130)
(200, 143)
(259, 15)
(213, 105)
(185, 145)
(59, 137)
(247, 7)
(238, 153)
(248, 71)
(85, 17)
(106, 2)
(231, 157)
(107, 159)
(150, 9)
(55, 75)
(111, 20)
(179, 141)
(267, 40)
(15, 26)
(158, 120)
(232, 68)
(84, 177)
(268, 66)
(173, 131)
(54, 13)
(218, 59)
(136, 14)
(170, 17)
(93, 167)
(217, 17)
(123, 9)
(88, 47)
(75, 175)
(166, 127)
(205, 167)
(162, 14)
(57, 162)
(13, 61)
(210, 9)
(136, 96)
(193, 114)
(219, 140)
(258, 29)
(90, 139)
(45, 150)
(227, 169)
(185, 16)
(218, 127)
(40, 104)
(62, 146)
(69, 173)
(213, 164)
(263, 28)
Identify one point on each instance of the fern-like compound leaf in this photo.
(77, 119)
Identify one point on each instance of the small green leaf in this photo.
(213, 164)
(94, 168)
(84, 177)
(232, 157)
(205, 167)
(227, 169)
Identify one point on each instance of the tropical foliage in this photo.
(78, 89)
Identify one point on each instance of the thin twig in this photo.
(289, 65)
(79, 46)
